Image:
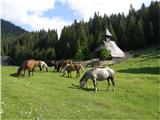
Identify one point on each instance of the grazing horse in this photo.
(50, 63)
(98, 74)
(57, 65)
(64, 63)
(73, 67)
(27, 64)
(42, 65)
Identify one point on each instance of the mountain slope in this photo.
(9, 33)
(9, 28)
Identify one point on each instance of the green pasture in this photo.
(48, 95)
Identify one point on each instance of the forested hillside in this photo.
(9, 33)
(136, 30)
(37, 45)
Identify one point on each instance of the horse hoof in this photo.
(113, 90)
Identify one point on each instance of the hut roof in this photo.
(108, 34)
(112, 46)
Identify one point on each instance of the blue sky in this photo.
(62, 10)
(34, 15)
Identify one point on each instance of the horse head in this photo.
(83, 80)
(82, 83)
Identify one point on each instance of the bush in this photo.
(105, 54)
(79, 55)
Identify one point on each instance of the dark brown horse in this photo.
(57, 65)
(72, 67)
(27, 64)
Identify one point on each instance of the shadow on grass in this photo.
(61, 75)
(144, 70)
(74, 86)
(70, 77)
(85, 89)
(13, 75)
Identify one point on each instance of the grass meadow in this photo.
(48, 95)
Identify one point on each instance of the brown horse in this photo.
(64, 63)
(73, 67)
(27, 64)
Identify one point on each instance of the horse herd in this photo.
(95, 74)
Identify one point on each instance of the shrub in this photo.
(105, 54)
(79, 55)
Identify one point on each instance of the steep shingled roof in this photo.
(112, 46)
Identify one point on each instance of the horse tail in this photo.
(111, 76)
(111, 71)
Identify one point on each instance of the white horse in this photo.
(42, 65)
(98, 74)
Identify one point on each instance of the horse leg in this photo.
(68, 73)
(108, 84)
(64, 72)
(29, 72)
(95, 85)
(61, 69)
(77, 73)
(46, 69)
(24, 72)
(32, 71)
(113, 83)
(86, 85)
(40, 68)
(58, 69)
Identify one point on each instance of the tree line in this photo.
(37, 45)
(136, 30)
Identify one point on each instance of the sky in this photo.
(33, 15)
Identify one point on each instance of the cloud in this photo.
(87, 8)
(31, 12)
(20, 8)
(38, 22)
